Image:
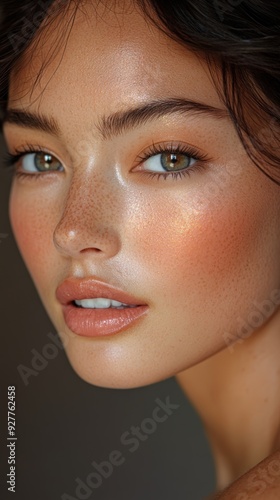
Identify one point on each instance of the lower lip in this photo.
(100, 322)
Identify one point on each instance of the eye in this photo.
(31, 161)
(39, 161)
(171, 160)
(168, 162)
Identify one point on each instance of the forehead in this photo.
(104, 58)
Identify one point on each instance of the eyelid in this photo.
(36, 148)
(12, 159)
(169, 147)
(202, 160)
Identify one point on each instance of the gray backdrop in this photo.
(63, 424)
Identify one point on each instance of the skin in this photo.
(198, 250)
(261, 482)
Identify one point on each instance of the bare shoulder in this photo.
(262, 482)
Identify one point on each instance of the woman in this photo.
(144, 138)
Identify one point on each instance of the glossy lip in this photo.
(97, 322)
(78, 289)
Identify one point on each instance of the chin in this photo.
(113, 379)
(113, 374)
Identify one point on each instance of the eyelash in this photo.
(10, 160)
(175, 148)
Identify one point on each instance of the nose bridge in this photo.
(87, 219)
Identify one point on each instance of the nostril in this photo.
(85, 241)
(95, 249)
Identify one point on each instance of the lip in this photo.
(97, 322)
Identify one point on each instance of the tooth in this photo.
(101, 303)
(93, 303)
(78, 303)
(116, 303)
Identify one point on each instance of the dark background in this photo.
(63, 423)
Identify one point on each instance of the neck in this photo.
(236, 392)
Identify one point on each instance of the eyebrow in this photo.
(119, 122)
(31, 120)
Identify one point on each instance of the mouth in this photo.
(101, 303)
(92, 308)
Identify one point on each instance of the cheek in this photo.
(32, 220)
(218, 256)
(221, 249)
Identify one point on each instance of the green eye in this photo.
(45, 162)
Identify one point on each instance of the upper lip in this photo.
(78, 289)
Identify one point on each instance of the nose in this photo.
(88, 223)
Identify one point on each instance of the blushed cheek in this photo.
(172, 250)
(207, 254)
(32, 227)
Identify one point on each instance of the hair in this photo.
(239, 40)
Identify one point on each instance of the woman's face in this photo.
(197, 249)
